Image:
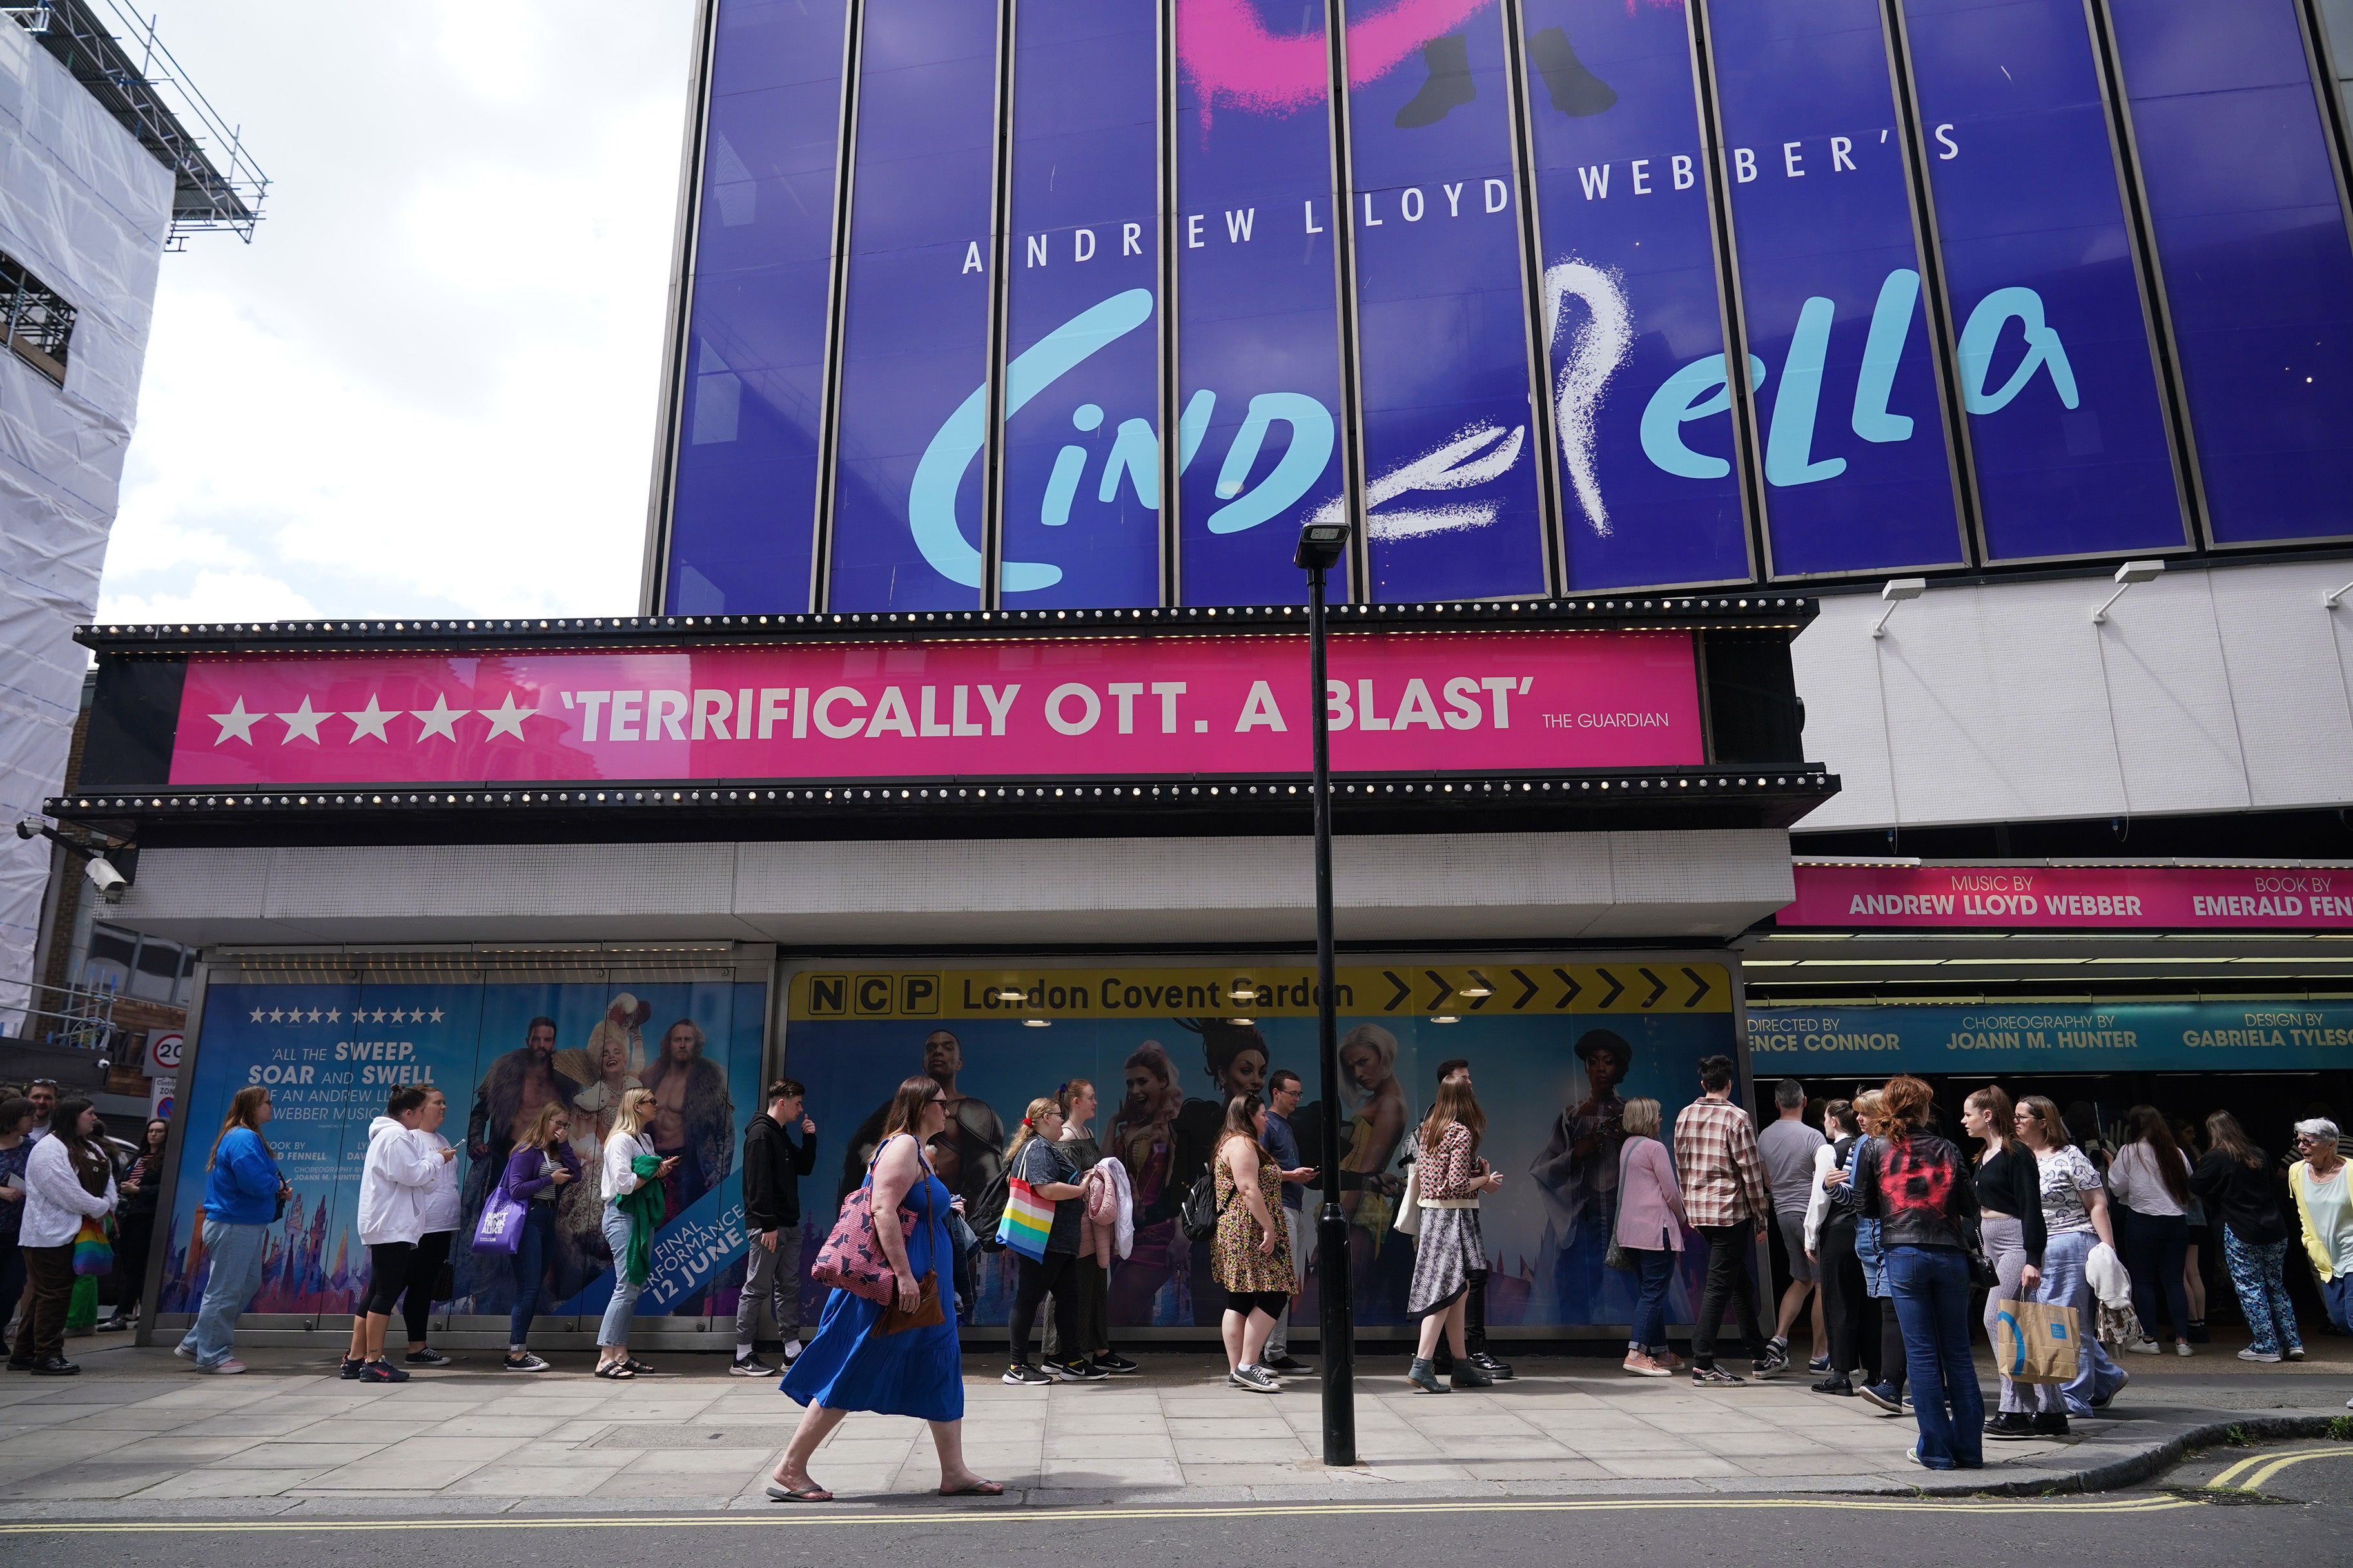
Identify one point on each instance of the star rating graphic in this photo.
(375, 722)
(404, 1015)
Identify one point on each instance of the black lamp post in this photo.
(1321, 545)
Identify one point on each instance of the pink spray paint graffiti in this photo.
(1232, 57)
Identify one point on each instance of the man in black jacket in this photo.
(772, 1169)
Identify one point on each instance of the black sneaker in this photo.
(1820, 1363)
(429, 1356)
(523, 1362)
(2051, 1424)
(1079, 1371)
(351, 1371)
(1883, 1396)
(1772, 1364)
(1257, 1379)
(382, 1372)
(1494, 1367)
(2124, 1380)
(1287, 1365)
(2009, 1426)
(1836, 1383)
(749, 1364)
(1115, 1364)
(1021, 1374)
(1715, 1377)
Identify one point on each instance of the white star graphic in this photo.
(372, 719)
(236, 721)
(506, 718)
(303, 721)
(277, 1015)
(436, 1014)
(334, 1015)
(257, 1014)
(440, 720)
(314, 1015)
(378, 1016)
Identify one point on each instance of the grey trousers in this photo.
(1302, 1227)
(2005, 1245)
(774, 1277)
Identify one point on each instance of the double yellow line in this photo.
(806, 1515)
(2251, 1475)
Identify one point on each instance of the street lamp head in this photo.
(1321, 545)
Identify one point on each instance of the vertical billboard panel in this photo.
(1166, 1049)
(2252, 242)
(1649, 482)
(744, 484)
(1441, 314)
(1257, 345)
(2059, 375)
(500, 1055)
(1081, 471)
(907, 482)
(1857, 470)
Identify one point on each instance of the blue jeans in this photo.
(2336, 1296)
(1931, 1286)
(2097, 1377)
(234, 1252)
(1655, 1268)
(615, 1330)
(532, 1248)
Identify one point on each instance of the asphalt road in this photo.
(2300, 1514)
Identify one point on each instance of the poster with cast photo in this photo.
(1555, 1051)
(332, 1055)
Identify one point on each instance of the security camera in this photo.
(109, 882)
(29, 828)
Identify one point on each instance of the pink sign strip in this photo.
(2071, 897)
(1401, 702)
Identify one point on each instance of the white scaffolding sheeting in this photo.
(87, 209)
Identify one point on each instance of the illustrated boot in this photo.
(1449, 86)
(1574, 90)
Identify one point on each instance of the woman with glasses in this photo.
(897, 1360)
(2074, 1218)
(2326, 1210)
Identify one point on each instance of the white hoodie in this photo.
(441, 1202)
(395, 1185)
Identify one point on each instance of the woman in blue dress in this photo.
(853, 1363)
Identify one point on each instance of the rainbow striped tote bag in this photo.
(1027, 1218)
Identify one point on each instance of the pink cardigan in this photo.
(1650, 1202)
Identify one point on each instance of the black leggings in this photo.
(1036, 1281)
(1892, 1363)
(388, 1262)
(1271, 1302)
(424, 1272)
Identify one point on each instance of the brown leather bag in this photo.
(928, 1312)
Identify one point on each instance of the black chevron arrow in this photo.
(1696, 979)
(1403, 991)
(1571, 994)
(1657, 987)
(1616, 987)
(1530, 990)
(1479, 1001)
(1445, 987)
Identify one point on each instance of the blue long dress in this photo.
(917, 1372)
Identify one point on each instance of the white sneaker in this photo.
(183, 1353)
(2181, 1347)
(2259, 1356)
(2295, 1352)
(229, 1368)
(2143, 1347)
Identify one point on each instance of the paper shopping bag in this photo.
(2036, 1342)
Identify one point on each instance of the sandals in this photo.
(637, 1367)
(799, 1494)
(616, 1372)
(976, 1488)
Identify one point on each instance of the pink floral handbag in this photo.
(852, 1258)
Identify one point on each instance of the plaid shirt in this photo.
(1715, 1158)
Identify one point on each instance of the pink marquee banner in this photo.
(1399, 702)
(2072, 897)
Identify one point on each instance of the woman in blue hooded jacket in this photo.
(242, 1192)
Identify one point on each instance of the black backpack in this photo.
(985, 1213)
(1198, 1216)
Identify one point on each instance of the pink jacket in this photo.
(1649, 1201)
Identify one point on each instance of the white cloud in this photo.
(430, 385)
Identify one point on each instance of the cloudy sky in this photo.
(429, 385)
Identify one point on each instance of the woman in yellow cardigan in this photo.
(2324, 1203)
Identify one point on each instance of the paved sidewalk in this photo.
(142, 1434)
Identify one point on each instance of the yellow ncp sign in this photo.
(1634, 984)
